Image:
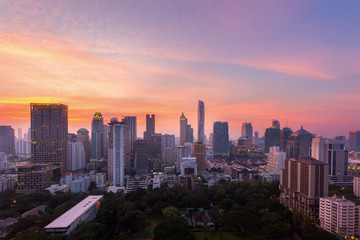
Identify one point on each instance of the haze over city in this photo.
(247, 60)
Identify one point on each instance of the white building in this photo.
(23, 148)
(6, 183)
(76, 156)
(181, 153)
(81, 212)
(4, 164)
(116, 153)
(276, 160)
(99, 179)
(356, 186)
(188, 166)
(81, 184)
(338, 215)
(57, 188)
(134, 183)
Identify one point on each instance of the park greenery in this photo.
(247, 212)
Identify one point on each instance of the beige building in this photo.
(303, 181)
(338, 215)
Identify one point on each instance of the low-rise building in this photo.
(57, 188)
(6, 183)
(81, 212)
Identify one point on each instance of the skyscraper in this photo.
(116, 154)
(272, 138)
(183, 129)
(20, 135)
(247, 130)
(299, 144)
(49, 129)
(97, 137)
(141, 158)
(76, 156)
(150, 123)
(284, 135)
(7, 139)
(167, 141)
(189, 134)
(199, 151)
(131, 122)
(354, 140)
(201, 122)
(275, 124)
(221, 138)
(182, 151)
(83, 137)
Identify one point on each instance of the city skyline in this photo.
(248, 61)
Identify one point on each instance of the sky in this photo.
(249, 61)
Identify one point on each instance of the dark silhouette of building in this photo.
(199, 151)
(221, 138)
(299, 144)
(284, 135)
(272, 138)
(354, 141)
(97, 136)
(141, 158)
(186, 131)
(49, 129)
(150, 123)
(201, 122)
(83, 137)
(7, 139)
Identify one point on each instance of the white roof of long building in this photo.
(71, 215)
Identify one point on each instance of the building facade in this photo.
(7, 139)
(33, 178)
(83, 137)
(116, 153)
(97, 136)
(299, 144)
(272, 138)
(276, 160)
(247, 130)
(221, 138)
(201, 122)
(199, 152)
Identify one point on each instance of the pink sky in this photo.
(249, 61)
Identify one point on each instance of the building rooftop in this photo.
(71, 215)
(308, 160)
(301, 131)
(33, 211)
(82, 130)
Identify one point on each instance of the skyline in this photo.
(248, 61)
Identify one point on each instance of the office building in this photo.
(7, 140)
(272, 138)
(83, 137)
(299, 144)
(76, 156)
(81, 212)
(285, 133)
(354, 141)
(97, 136)
(167, 141)
(340, 216)
(276, 160)
(131, 123)
(49, 129)
(182, 152)
(356, 186)
(276, 124)
(4, 163)
(247, 130)
(150, 123)
(169, 156)
(188, 166)
(183, 129)
(333, 153)
(201, 122)
(141, 157)
(199, 152)
(221, 138)
(116, 153)
(189, 134)
(33, 178)
(302, 182)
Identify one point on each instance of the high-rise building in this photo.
(340, 216)
(299, 144)
(302, 182)
(20, 135)
(272, 138)
(150, 123)
(256, 134)
(49, 129)
(183, 129)
(333, 153)
(354, 141)
(189, 134)
(275, 124)
(276, 160)
(167, 141)
(285, 133)
(83, 137)
(201, 122)
(76, 156)
(116, 153)
(131, 122)
(97, 136)
(199, 151)
(105, 140)
(141, 157)
(221, 138)
(182, 151)
(247, 130)
(7, 140)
